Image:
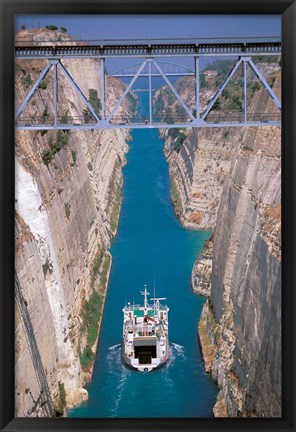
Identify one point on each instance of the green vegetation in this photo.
(203, 82)
(18, 68)
(160, 110)
(132, 102)
(64, 29)
(116, 209)
(51, 27)
(96, 265)
(45, 111)
(225, 133)
(47, 156)
(105, 270)
(27, 81)
(266, 59)
(180, 111)
(62, 398)
(90, 314)
(74, 157)
(178, 137)
(95, 101)
(44, 83)
(168, 115)
(55, 145)
(86, 357)
(253, 88)
(114, 198)
(169, 96)
(222, 67)
(159, 104)
(175, 196)
(65, 117)
(67, 210)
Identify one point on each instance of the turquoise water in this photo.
(150, 243)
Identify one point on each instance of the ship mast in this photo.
(145, 293)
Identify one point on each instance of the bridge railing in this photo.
(122, 119)
(239, 117)
(71, 49)
(51, 121)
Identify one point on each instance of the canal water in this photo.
(150, 245)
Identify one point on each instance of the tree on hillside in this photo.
(51, 27)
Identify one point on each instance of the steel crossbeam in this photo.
(150, 67)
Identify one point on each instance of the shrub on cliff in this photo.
(55, 145)
(47, 156)
(43, 85)
(95, 101)
(27, 81)
(62, 399)
(87, 357)
(51, 27)
(90, 314)
(178, 137)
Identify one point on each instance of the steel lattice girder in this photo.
(200, 119)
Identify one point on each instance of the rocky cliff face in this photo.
(246, 281)
(230, 181)
(68, 197)
(198, 168)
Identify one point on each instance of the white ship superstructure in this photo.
(145, 334)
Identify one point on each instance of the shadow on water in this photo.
(150, 243)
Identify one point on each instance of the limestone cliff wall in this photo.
(199, 167)
(246, 281)
(66, 215)
(229, 181)
(243, 315)
(198, 172)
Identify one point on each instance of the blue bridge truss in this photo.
(150, 64)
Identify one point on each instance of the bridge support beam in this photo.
(103, 103)
(150, 91)
(245, 106)
(55, 96)
(197, 86)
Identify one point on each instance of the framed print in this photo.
(146, 275)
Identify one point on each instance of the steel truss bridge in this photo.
(152, 64)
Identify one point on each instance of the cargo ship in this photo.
(145, 334)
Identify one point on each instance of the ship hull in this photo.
(145, 335)
(145, 367)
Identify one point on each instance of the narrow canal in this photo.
(150, 243)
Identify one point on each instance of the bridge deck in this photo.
(155, 50)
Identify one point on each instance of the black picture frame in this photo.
(9, 8)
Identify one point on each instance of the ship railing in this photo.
(132, 307)
(141, 331)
